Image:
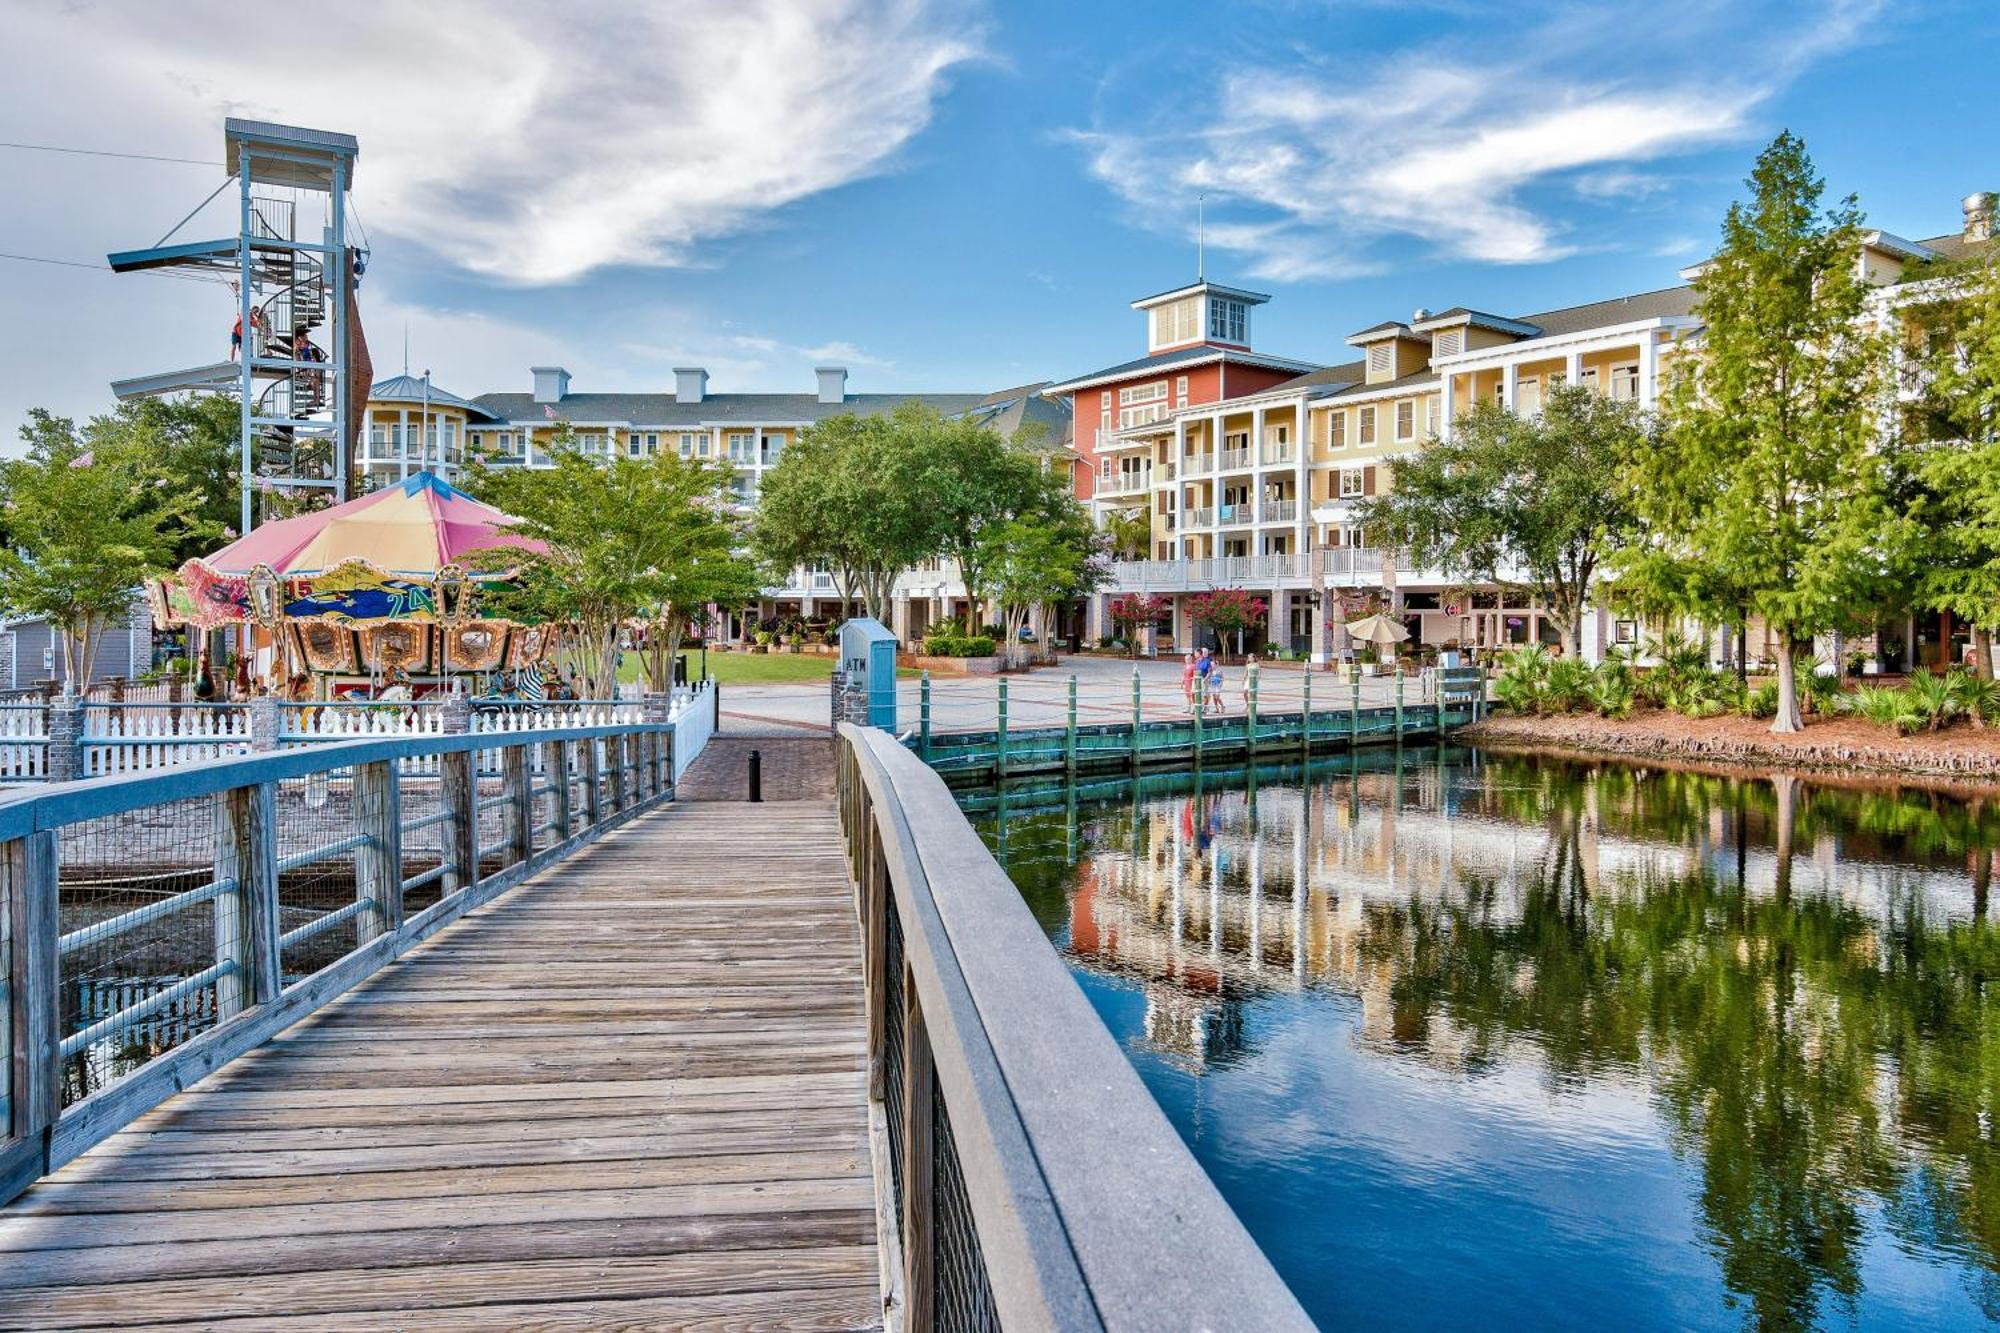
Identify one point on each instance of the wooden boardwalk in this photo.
(626, 1094)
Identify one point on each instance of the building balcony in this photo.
(1198, 465)
(1280, 452)
(1125, 483)
(1278, 511)
(1201, 517)
(1233, 460)
(1235, 515)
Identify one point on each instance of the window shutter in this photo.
(1378, 358)
(1368, 481)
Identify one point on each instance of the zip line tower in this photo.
(297, 353)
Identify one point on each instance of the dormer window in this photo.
(1177, 322)
(1228, 321)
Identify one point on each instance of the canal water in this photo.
(1476, 1041)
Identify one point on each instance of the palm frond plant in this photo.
(1885, 706)
(1977, 699)
(1522, 681)
(1564, 684)
(1932, 701)
(1611, 692)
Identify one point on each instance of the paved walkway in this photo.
(629, 1093)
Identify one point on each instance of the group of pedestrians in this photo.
(1202, 682)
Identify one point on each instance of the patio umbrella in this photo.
(1378, 630)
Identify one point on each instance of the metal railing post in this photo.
(924, 715)
(1399, 704)
(1000, 752)
(519, 825)
(458, 833)
(1069, 733)
(1200, 717)
(1354, 710)
(30, 1020)
(246, 912)
(378, 865)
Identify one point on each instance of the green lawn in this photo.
(738, 668)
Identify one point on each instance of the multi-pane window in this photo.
(1177, 322)
(742, 447)
(1336, 430)
(632, 445)
(1406, 420)
(1142, 404)
(1432, 406)
(1180, 390)
(1353, 482)
(1528, 396)
(688, 439)
(1228, 321)
(1104, 412)
(1365, 432)
(1625, 383)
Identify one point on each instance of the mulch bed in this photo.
(1841, 743)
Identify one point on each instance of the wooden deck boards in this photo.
(628, 1094)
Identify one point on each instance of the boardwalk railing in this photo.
(157, 925)
(1033, 1181)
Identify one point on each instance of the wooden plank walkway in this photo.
(627, 1094)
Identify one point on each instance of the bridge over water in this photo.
(492, 1031)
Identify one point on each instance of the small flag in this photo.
(548, 412)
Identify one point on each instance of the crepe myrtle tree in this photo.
(620, 539)
(1041, 562)
(1135, 610)
(1228, 611)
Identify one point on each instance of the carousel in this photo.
(383, 588)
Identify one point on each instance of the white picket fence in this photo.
(139, 737)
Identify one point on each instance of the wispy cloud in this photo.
(1310, 165)
(535, 143)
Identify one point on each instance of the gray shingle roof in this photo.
(1420, 378)
(1348, 372)
(410, 389)
(644, 410)
(1618, 310)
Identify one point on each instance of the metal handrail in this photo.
(253, 997)
(1087, 1209)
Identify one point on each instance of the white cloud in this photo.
(1307, 167)
(532, 143)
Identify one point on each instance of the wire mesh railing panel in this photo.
(424, 859)
(489, 797)
(545, 777)
(895, 1037)
(963, 1294)
(318, 907)
(143, 940)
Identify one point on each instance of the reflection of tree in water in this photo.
(1810, 1060)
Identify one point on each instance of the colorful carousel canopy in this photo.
(383, 557)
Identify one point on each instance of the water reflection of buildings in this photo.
(1207, 900)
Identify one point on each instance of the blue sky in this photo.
(952, 195)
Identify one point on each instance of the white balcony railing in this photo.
(1232, 515)
(1198, 465)
(1279, 511)
(1233, 460)
(1201, 517)
(1279, 452)
(1338, 566)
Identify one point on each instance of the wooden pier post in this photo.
(1000, 747)
(1399, 704)
(924, 715)
(1138, 719)
(378, 866)
(1069, 734)
(1250, 712)
(246, 915)
(1306, 718)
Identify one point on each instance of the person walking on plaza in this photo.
(1249, 680)
(1188, 680)
(1215, 702)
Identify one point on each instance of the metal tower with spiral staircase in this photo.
(301, 351)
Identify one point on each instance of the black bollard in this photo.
(757, 775)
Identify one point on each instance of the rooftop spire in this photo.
(1200, 240)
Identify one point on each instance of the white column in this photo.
(1510, 385)
(403, 443)
(1445, 406)
(1573, 368)
(1302, 477)
(1649, 369)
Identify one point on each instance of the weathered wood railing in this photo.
(155, 926)
(1032, 1181)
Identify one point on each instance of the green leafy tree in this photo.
(1227, 610)
(1955, 425)
(86, 521)
(626, 541)
(847, 495)
(1131, 533)
(1040, 562)
(1766, 492)
(1136, 610)
(1535, 499)
(977, 483)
